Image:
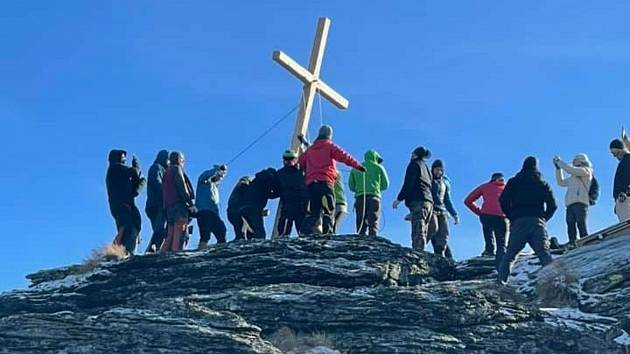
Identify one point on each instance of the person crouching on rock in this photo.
(529, 204)
(124, 183)
(319, 162)
(493, 221)
(367, 187)
(293, 198)
(207, 203)
(263, 187)
(416, 193)
(178, 201)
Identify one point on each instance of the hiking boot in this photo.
(202, 246)
(501, 283)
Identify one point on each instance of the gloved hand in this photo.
(134, 162)
(361, 168)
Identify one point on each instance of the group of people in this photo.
(311, 200)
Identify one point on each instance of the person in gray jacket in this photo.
(528, 202)
(577, 198)
(207, 204)
(155, 202)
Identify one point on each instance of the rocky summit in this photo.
(334, 294)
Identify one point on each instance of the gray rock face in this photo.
(364, 295)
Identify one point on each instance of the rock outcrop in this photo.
(362, 295)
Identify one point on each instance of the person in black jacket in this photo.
(529, 204)
(124, 183)
(621, 187)
(155, 202)
(236, 203)
(263, 187)
(416, 193)
(293, 196)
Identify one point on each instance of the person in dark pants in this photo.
(417, 195)
(293, 196)
(368, 187)
(263, 187)
(319, 162)
(207, 203)
(577, 198)
(442, 209)
(528, 202)
(493, 220)
(236, 203)
(155, 203)
(124, 184)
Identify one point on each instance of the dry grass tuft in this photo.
(557, 285)
(103, 254)
(288, 341)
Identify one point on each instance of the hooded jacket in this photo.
(528, 195)
(263, 187)
(417, 184)
(236, 202)
(622, 177)
(376, 179)
(154, 180)
(123, 183)
(176, 188)
(578, 183)
(208, 191)
(292, 187)
(490, 192)
(319, 161)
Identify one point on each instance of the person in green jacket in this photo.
(367, 187)
(341, 206)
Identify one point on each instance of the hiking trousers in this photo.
(255, 219)
(210, 223)
(622, 208)
(577, 214)
(128, 223)
(175, 235)
(341, 211)
(525, 230)
(236, 219)
(439, 232)
(291, 214)
(157, 215)
(321, 200)
(495, 235)
(421, 212)
(368, 210)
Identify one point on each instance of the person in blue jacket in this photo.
(207, 204)
(442, 209)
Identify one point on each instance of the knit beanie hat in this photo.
(325, 132)
(289, 155)
(616, 144)
(422, 153)
(530, 163)
(496, 176)
(437, 164)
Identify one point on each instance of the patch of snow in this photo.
(70, 281)
(623, 339)
(576, 319)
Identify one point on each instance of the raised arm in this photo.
(562, 182)
(574, 171)
(341, 155)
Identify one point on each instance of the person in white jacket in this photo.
(577, 199)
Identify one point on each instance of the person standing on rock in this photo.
(178, 201)
(442, 209)
(341, 205)
(493, 221)
(124, 184)
(293, 198)
(529, 204)
(236, 203)
(319, 162)
(155, 202)
(368, 187)
(417, 195)
(621, 186)
(207, 203)
(578, 196)
(263, 187)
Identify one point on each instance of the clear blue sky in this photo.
(483, 85)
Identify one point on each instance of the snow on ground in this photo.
(70, 281)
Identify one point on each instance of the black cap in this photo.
(616, 144)
(496, 176)
(530, 163)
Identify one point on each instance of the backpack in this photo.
(593, 192)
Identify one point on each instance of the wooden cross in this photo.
(312, 85)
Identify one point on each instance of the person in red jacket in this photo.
(179, 202)
(319, 163)
(493, 220)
